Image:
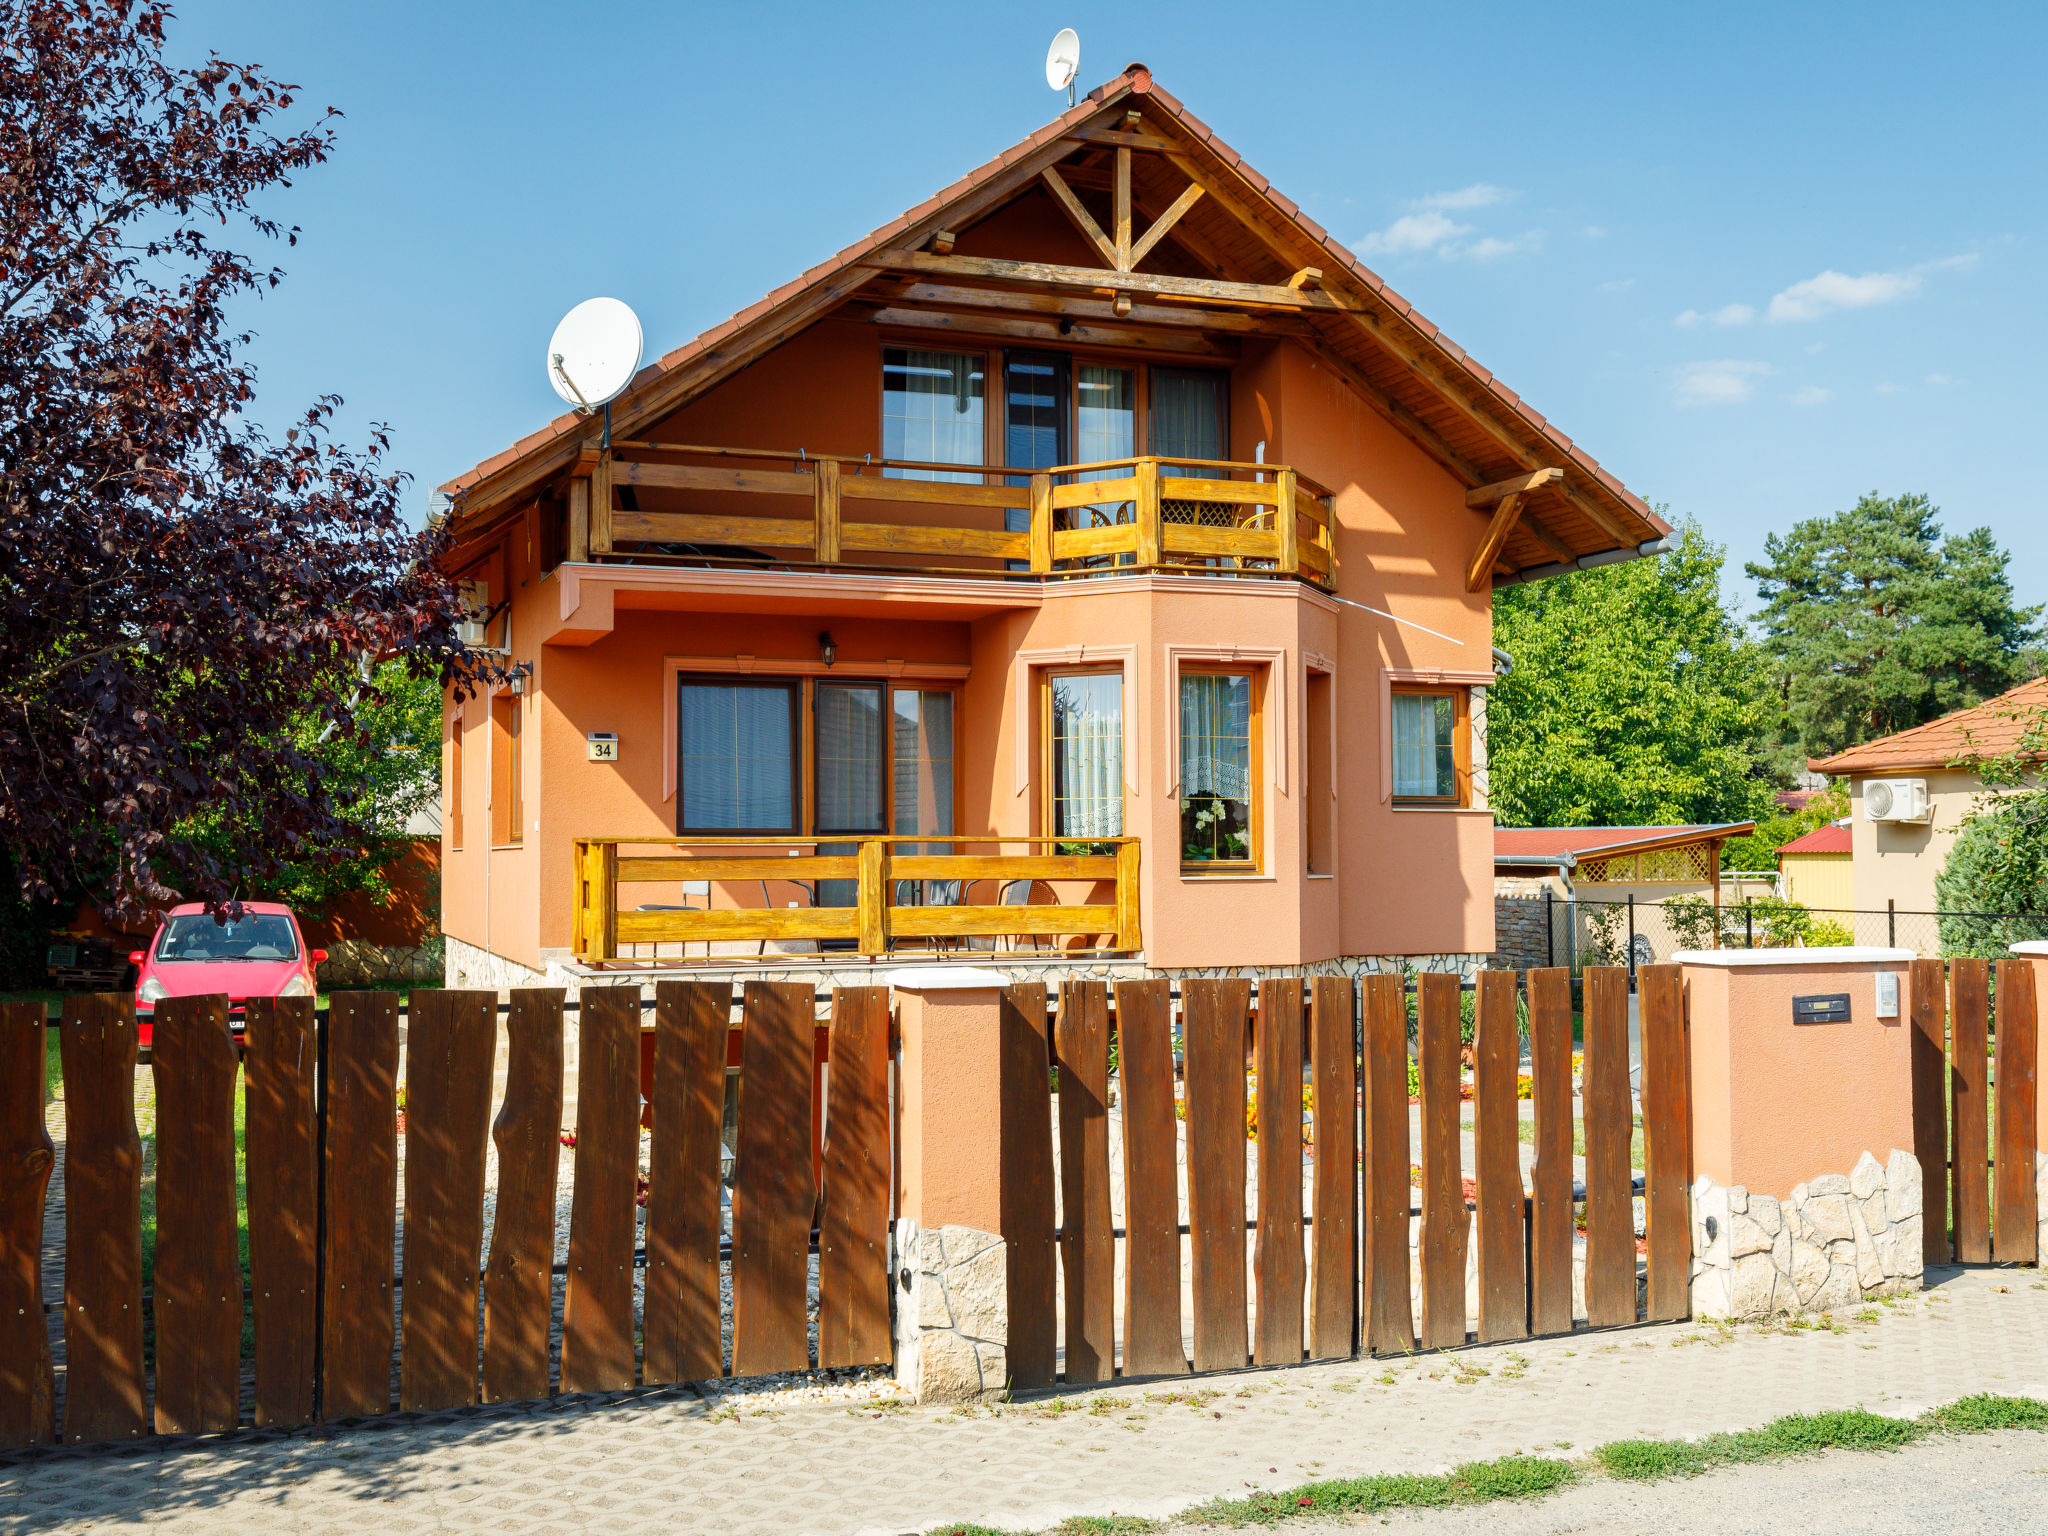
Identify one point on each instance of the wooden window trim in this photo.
(798, 698)
(454, 777)
(1460, 695)
(1047, 816)
(1255, 727)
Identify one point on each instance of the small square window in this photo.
(1432, 746)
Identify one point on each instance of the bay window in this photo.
(1218, 768)
(1084, 734)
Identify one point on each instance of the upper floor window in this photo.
(1432, 745)
(1218, 768)
(932, 411)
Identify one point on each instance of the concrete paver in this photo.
(676, 1462)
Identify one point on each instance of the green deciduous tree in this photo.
(1875, 621)
(1776, 827)
(1635, 697)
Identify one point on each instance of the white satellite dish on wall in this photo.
(594, 353)
(1063, 61)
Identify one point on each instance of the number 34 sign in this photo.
(604, 746)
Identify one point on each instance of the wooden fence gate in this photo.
(324, 1300)
(1974, 1125)
(1329, 1272)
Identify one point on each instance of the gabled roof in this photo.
(1990, 729)
(1405, 367)
(1547, 845)
(1831, 838)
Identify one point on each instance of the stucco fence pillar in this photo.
(1807, 1195)
(950, 1265)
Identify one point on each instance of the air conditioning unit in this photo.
(474, 627)
(1896, 800)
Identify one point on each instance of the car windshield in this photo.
(256, 936)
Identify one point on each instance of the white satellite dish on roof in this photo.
(1063, 61)
(594, 353)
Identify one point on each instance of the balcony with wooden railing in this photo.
(728, 900)
(758, 507)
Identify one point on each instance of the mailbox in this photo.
(1821, 1008)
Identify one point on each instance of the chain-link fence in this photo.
(1576, 932)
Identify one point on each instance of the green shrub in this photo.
(1999, 864)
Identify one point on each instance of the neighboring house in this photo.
(1901, 837)
(1816, 869)
(1101, 500)
(1542, 875)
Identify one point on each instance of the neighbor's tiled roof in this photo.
(1510, 843)
(1990, 729)
(1136, 80)
(1828, 839)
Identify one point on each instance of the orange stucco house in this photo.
(1091, 567)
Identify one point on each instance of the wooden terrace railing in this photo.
(1115, 516)
(878, 920)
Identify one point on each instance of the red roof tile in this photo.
(1827, 839)
(1990, 729)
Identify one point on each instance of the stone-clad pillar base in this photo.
(952, 1321)
(1838, 1241)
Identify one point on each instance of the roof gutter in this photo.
(1649, 549)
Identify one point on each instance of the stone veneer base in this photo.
(952, 1314)
(1836, 1242)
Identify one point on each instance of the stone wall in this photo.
(1837, 1242)
(358, 963)
(1521, 936)
(952, 1314)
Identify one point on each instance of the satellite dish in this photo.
(1063, 60)
(594, 353)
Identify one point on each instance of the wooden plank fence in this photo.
(1343, 1252)
(332, 1278)
(1364, 1218)
(1976, 1082)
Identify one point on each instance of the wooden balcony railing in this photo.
(1119, 515)
(901, 899)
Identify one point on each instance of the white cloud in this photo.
(1940, 380)
(1428, 228)
(1832, 290)
(1727, 382)
(1618, 285)
(1727, 314)
(1492, 249)
(1887, 389)
(1479, 195)
(1412, 232)
(1594, 232)
(1812, 394)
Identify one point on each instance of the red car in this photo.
(259, 954)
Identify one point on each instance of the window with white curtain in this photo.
(1086, 739)
(736, 756)
(1428, 734)
(1216, 768)
(921, 729)
(932, 411)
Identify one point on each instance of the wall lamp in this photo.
(828, 647)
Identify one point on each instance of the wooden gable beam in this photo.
(1198, 289)
(1165, 222)
(1479, 573)
(1519, 485)
(1078, 216)
(1046, 332)
(1060, 306)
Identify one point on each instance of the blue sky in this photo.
(1758, 259)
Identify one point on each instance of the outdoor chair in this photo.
(690, 888)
